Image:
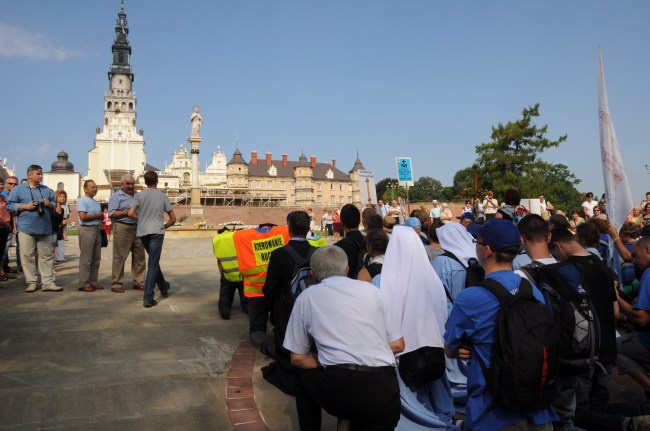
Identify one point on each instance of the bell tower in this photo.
(118, 146)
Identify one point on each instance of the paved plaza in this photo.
(101, 361)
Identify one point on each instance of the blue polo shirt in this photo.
(643, 303)
(120, 201)
(473, 320)
(30, 222)
(89, 206)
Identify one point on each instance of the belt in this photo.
(128, 224)
(89, 226)
(387, 369)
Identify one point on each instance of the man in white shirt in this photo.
(354, 375)
(435, 211)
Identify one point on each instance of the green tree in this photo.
(463, 179)
(382, 185)
(512, 160)
(425, 189)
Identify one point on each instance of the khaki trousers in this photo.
(29, 244)
(125, 241)
(90, 254)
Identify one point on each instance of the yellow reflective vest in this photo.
(223, 248)
(317, 241)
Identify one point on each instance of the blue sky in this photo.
(423, 79)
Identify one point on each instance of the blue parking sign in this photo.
(404, 171)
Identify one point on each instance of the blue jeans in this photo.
(153, 244)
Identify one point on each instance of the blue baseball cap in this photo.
(466, 215)
(500, 234)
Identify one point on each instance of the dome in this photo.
(62, 163)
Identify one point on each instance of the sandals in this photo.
(87, 288)
(8, 276)
(97, 286)
(4, 277)
(117, 290)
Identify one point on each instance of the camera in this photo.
(40, 208)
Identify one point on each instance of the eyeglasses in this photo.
(12, 184)
(129, 184)
(476, 241)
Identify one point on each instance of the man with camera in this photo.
(33, 204)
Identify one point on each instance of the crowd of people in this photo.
(398, 325)
(37, 218)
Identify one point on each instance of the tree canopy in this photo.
(512, 160)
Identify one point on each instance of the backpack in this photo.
(301, 277)
(474, 272)
(572, 308)
(522, 375)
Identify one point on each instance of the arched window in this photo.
(109, 105)
(106, 121)
(130, 106)
(123, 106)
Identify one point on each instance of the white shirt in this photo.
(347, 321)
(588, 207)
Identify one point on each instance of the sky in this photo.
(425, 79)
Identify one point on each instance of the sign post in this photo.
(405, 176)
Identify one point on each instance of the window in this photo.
(283, 185)
(258, 184)
(240, 181)
(232, 182)
(333, 199)
(269, 184)
(331, 186)
(318, 187)
(341, 200)
(350, 200)
(250, 184)
(349, 187)
(341, 187)
(293, 186)
(306, 194)
(319, 199)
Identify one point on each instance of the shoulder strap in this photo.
(453, 256)
(295, 256)
(503, 294)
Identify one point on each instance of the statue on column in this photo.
(196, 121)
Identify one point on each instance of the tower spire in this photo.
(121, 49)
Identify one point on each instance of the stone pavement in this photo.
(101, 361)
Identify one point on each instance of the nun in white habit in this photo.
(454, 238)
(415, 299)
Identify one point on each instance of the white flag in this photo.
(617, 186)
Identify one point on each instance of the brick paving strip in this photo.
(240, 401)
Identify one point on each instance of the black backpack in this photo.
(572, 308)
(474, 273)
(522, 375)
(301, 277)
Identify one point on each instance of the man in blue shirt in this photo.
(125, 239)
(33, 204)
(471, 332)
(634, 349)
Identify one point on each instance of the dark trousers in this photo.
(227, 291)
(153, 244)
(594, 412)
(4, 234)
(370, 400)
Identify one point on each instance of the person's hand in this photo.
(464, 352)
(46, 202)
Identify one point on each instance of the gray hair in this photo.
(328, 262)
(125, 176)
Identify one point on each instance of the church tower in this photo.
(118, 146)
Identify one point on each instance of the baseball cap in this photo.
(435, 201)
(468, 216)
(500, 234)
(413, 222)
